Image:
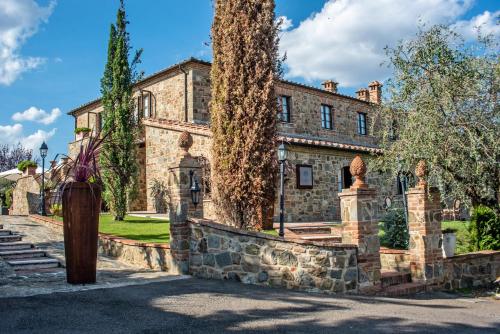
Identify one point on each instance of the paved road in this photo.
(199, 306)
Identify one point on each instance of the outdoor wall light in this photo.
(195, 189)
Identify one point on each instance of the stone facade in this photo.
(395, 260)
(182, 92)
(26, 195)
(222, 252)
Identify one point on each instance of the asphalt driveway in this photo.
(200, 306)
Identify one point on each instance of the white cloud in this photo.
(37, 115)
(13, 134)
(19, 21)
(286, 23)
(345, 41)
(485, 22)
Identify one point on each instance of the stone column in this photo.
(424, 219)
(359, 212)
(180, 203)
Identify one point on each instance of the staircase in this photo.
(24, 257)
(396, 284)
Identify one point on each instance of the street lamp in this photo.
(282, 155)
(43, 154)
(195, 189)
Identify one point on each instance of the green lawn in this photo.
(270, 232)
(135, 228)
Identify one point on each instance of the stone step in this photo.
(322, 237)
(390, 278)
(6, 246)
(311, 230)
(5, 232)
(22, 254)
(31, 264)
(10, 238)
(403, 289)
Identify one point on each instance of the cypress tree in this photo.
(118, 156)
(244, 110)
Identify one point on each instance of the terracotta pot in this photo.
(81, 207)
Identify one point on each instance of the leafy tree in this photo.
(243, 109)
(10, 156)
(484, 229)
(443, 108)
(118, 156)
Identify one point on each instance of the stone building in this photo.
(322, 128)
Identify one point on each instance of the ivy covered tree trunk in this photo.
(244, 110)
(118, 155)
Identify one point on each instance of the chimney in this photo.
(330, 86)
(375, 92)
(363, 94)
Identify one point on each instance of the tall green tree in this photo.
(118, 155)
(443, 107)
(244, 109)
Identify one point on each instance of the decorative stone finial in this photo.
(358, 170)
(421, 171)
(185, 141)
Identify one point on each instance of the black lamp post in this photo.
(282, 155)
(195, 189)
(43, 153)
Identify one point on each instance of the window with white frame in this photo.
(326, 117)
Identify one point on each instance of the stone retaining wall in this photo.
(143, 255)
(222, 252)
(26, 196)
(471, 270)
(395, 259)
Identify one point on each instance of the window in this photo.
(284, 108)
(362, 123)
(326, 117)
(145, 105)
(99, 122)
(346, 177)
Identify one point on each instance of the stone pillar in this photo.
(180, 203)
(359, 212)
(424, 219)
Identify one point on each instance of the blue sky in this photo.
(52, 53)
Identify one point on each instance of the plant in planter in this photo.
(449, 242)
(82, 132)
(26, 164)
(81, 203)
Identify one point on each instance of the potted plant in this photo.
(82, 132)
(81, 206)
(28, 167)
(449, 242)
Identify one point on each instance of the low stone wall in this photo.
(471, 270)
(222, 252)
(395, 259)
(26, 196)
(143, 255)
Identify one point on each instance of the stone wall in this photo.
(394, 259)
(143, 255)
(26, 196)
(221, 252)
(471, 270)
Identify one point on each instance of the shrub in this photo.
(8, 197)
(82, 129)
(23, 165)
(396, 232)
(159, 192)
(56, 210)
(484, 229)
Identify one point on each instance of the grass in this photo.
(270, 232)
(142, 229)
